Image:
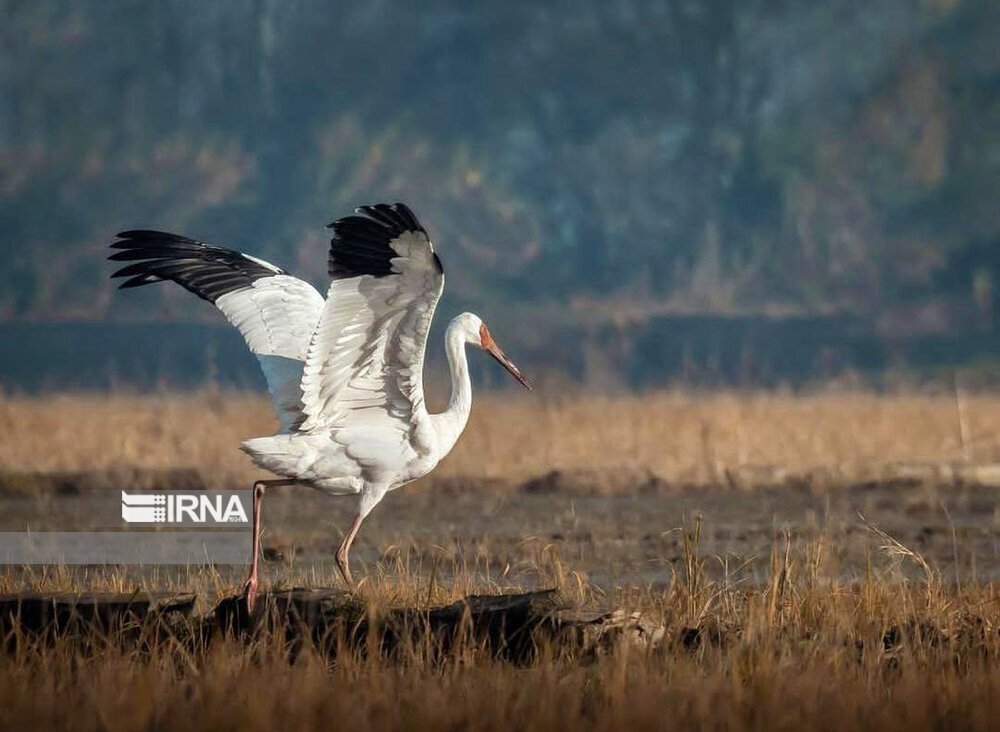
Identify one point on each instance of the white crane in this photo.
(345, 374)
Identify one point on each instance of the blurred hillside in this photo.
(597, 167)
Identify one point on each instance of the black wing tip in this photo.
(137, 281)
(140, 235)
(403, 210)
(133, 242)
(397, 216)
(206, 270)
(143, 234)
(361, 243)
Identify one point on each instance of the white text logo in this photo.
(168, 508)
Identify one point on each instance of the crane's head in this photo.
(478, 334)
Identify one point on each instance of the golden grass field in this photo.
(793, 630)
(680, 436)
(787, 656)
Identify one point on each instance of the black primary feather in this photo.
(206, 270)
(361, 244)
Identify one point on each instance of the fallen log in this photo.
(511, 627)
(88, 620)
(74, 612)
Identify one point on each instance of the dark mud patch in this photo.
(612, 481)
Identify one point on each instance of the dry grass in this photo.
(680, 436)
(787, 647)
(795, 653)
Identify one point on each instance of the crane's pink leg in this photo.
(250, 588)
(343, 553)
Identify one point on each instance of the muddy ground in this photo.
(555, 525)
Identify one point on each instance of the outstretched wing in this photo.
(275, 312)
(363, 379)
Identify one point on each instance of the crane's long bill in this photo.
(494, 350)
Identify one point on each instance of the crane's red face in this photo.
(490, 346)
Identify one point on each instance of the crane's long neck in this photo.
(451, 422)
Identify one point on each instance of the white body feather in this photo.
(345, 373)
(360, 422)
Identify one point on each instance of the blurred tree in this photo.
(723, 156)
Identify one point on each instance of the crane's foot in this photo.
(343, 553)
(250, 593)
(345, 570)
